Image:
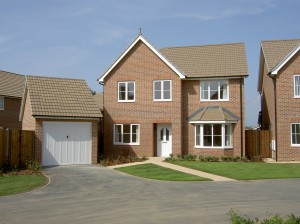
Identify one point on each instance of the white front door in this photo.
(164, 140)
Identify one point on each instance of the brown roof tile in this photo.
(220, 60)
(59, 97)
(11, 84)
(213, 113)
(275, 51)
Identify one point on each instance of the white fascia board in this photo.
(284, 61)
(101, 79)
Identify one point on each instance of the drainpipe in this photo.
(241, 115)
(275, 107)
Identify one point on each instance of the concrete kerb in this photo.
(159, 161)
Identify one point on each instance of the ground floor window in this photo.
(213, 135)
(295, 134)
(128, 134)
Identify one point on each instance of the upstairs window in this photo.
(1, 103)
(162, 90)
(126, 91)
(214, 90)
(297, 86)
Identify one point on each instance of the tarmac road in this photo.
(93, 194)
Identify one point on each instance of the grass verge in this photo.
(245, 170)
(20, 183)
(152, 171)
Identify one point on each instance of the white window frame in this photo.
(201, 136)
(296, 87)
(126, 91)
(162, 90)
(2, 104)
(202, 82)
(121, 142)
(293, 144)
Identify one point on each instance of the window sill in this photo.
(126, 101)
(203, 147)
(124, 144)
(202, 100)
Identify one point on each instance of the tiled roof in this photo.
(275, 51)
(220, 60)
(11, 84)
(59, 97)
(99, 100)
(213, 113)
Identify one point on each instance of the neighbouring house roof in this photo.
(11, 84)
(99, 100)
(212, 113)
(219, 60)
(276, 52)
(60, 97)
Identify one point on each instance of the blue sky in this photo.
(82, 38)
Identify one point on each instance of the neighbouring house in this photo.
(64, 116)
(11, 92)
(179, 100)
(279, 87)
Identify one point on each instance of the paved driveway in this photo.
(92, 194)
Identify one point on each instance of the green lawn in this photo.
(152, 171)
(20, 183)
(245, 170)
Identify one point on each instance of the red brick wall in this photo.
(39, 137)
(288, 110)
(28, 122)
(191, 103)
(142, 66)
(9, 117)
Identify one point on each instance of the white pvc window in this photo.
(213, 135)
(295, 134)
(126, 91)
(127, 134)
(297, 86)
(162, 90)
(1, 103)
(214, 90)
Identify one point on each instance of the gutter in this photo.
(275, 110)
(242, 119)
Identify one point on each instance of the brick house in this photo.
(177, 100)
(11, 92)
(279, 87)
(64, 116)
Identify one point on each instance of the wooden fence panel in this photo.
(16, 147)
(27, 146)
(2, 147)
(258, 143)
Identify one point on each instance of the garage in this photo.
(66, 143)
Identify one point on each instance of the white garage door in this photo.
(66, 143)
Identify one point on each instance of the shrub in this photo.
(236, 158)
(225, 158)
(189, 157)
(202, 158)
(276, 219)
(33, 165)
(179, 156)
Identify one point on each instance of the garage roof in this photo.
(61, 97)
